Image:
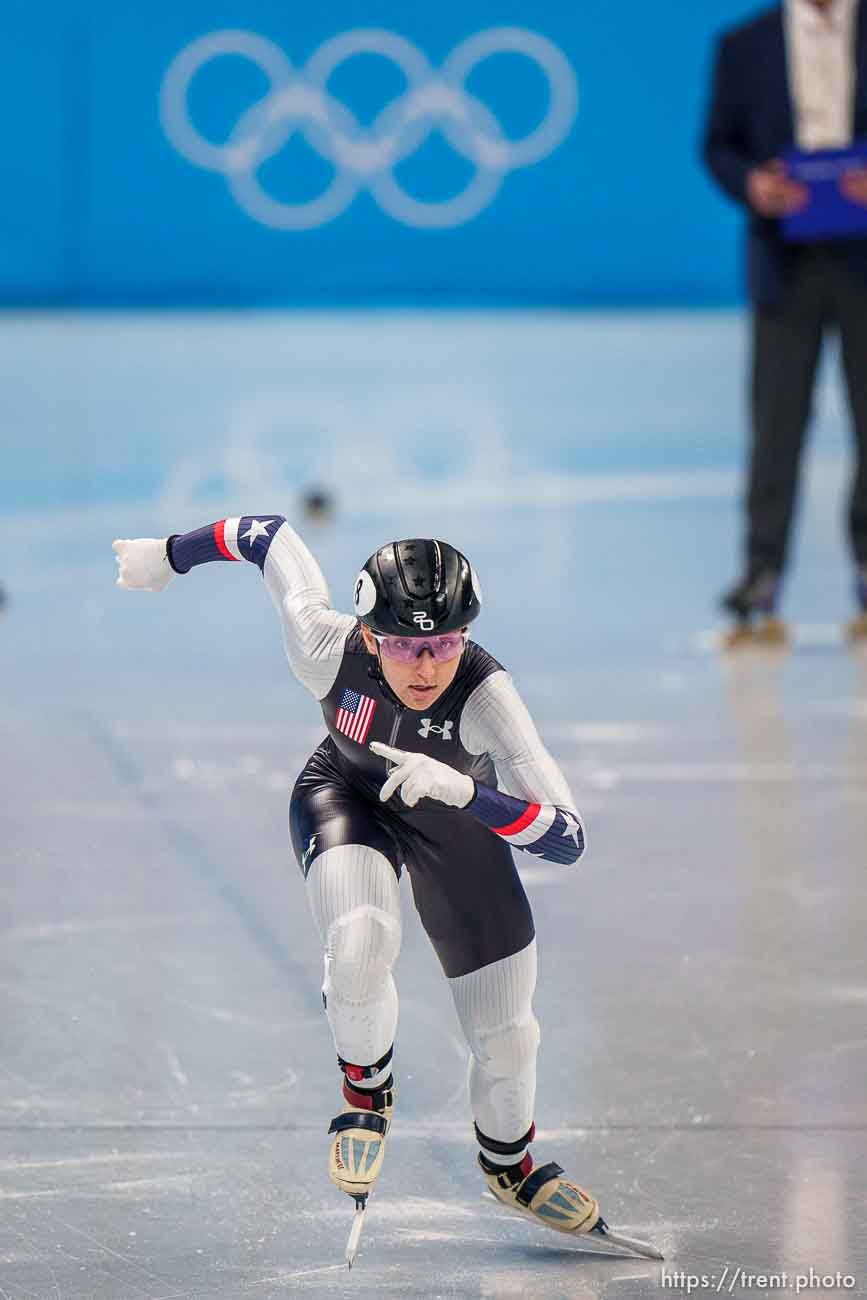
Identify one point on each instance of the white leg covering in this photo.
(355, 899)
(495, 1008)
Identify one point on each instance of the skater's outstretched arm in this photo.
(535, 812)
(313, 633)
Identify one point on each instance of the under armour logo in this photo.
(427, 726)
(308, 851)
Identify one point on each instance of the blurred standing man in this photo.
(795, 75)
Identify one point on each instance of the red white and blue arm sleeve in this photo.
(248, 537)
(314, 634)
(551, 832)
(535, 810)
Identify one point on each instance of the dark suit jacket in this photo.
(751, 121)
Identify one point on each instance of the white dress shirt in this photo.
(820, 47)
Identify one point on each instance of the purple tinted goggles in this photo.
(406, 649)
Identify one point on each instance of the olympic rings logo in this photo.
(365, 157)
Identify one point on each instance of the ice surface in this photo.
(166, 1074)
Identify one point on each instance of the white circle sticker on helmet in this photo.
(365, 594)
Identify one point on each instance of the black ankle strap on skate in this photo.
(506, 1175)
(358, 1072)
(538, 1178)
(505, 1148)
(359, 1119)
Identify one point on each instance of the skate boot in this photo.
(357, 1150)
(542, 1192)
(752, 602)
(856, 630)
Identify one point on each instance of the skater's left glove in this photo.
(422, 777)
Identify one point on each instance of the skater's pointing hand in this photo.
(421, 777)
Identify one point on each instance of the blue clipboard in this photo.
(828, 214)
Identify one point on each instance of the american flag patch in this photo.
(355, 714)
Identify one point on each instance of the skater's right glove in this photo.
(143, 563)
(421, 777)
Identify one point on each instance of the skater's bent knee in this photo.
(362, 948)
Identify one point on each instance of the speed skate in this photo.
(602, 1240)
(545, 1194)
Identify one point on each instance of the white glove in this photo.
(142, 563)
(422, 777)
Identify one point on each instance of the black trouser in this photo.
(820, 294)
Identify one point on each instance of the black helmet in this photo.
(417, 587)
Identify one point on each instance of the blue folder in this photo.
(828, 214)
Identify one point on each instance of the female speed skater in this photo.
(432, 762)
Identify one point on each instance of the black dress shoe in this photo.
(754, 594)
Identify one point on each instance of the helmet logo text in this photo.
(421, 620)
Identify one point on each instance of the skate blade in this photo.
(641, 1248)
(600, 1240)
(355, 1231)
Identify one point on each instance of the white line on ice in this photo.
(806, 635)
(407, 1208)
(33, 1196)
(105, 1189)
(120, 924)
(606, 732)
(277, 1278)
(454, 493)
(110, 1158)
(117, 811)
(228, 1015)
(712, 772)
(139, 1184)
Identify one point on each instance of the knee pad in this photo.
(361, 950)
(508, 1048)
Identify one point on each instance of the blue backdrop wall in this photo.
(209, 151)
